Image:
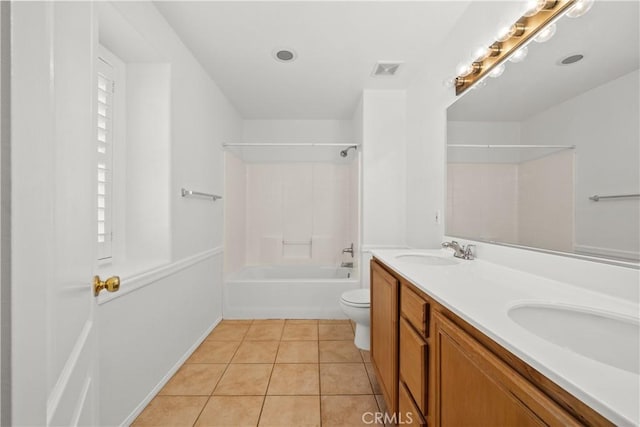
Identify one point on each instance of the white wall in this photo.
(140, 341)
(603, 125)
(384, 160)
(284, 131)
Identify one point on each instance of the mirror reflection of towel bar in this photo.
(191, 193)
(597, 198)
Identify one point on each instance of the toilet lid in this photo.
(357, 296)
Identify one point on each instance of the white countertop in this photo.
(481, 293)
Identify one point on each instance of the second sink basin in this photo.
(426, 259)
(600, 336)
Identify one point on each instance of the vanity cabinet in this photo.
(473, 387)
(435, 369)
(384, 332)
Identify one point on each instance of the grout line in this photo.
(202, 410)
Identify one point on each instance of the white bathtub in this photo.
(288, 291)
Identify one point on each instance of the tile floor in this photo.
(270, 373)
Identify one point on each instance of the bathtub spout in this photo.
(347, 265)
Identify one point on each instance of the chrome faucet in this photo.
(463, 252)
(348, 250)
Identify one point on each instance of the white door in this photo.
(54, 360)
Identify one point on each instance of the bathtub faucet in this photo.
(348, 250)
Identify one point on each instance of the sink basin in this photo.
(426, 259)
(604, 337)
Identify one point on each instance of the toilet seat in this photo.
(356, 298)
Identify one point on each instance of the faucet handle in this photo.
(469, 251)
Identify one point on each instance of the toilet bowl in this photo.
(355, 304)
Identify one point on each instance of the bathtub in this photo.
(287, 291)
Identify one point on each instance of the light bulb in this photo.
(464, 69)
(481, 53)
(503, 34)
(497, 71)
(448, 83)
(580, 8)
(506, 33)
(533, 7)
(519, 55)
(546, 34)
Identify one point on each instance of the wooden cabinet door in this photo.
(384, 332)
(475, 388)
(413, 364)
(408, 413)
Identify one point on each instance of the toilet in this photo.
(355, 304)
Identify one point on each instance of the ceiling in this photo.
(608, 37)
(337, 43)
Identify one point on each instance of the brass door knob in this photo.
(112, 284)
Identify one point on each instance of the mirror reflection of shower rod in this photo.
(291, 144)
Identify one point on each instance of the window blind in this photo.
(104, 146)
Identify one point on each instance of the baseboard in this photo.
(138, 410)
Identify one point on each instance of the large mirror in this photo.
(547, 155)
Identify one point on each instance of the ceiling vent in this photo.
(386, 69)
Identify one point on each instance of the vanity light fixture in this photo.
(512, 40)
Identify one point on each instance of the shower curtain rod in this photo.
(292, 144)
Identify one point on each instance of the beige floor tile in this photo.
(333, 321)
(236, 322)
(214, 352)
(297, 352)
(348, 411)
(339, 352)
(256, 352)
(366, 356)
(229, 332)
(269, 322)
(300, 332)
(231, 411)
(244, 380)
(265, 330)
(171, 411)
(335, 331)
(299, 411)
(294, 379)
(300, 321)
(372, 378)
(344, 378)
(194, 380)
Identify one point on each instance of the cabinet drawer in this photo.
(408, 412)
(415, 310)
(413, 364)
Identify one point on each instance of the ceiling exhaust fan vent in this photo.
(386, 69)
